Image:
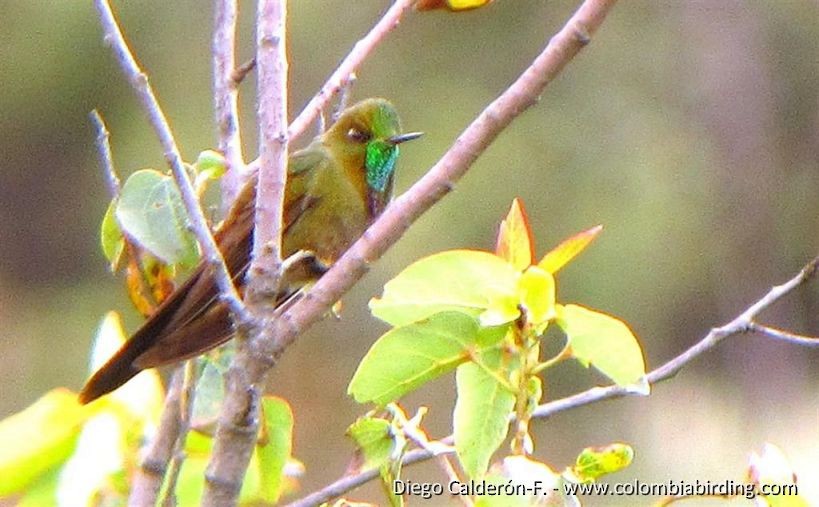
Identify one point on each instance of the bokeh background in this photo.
(690, 129)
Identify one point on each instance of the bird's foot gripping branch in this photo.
(487, 316)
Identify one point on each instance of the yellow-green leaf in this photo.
(604, 342)
(274, 453)
(515, 243)
(210, 165)
(151, 212)
(39, 438)
(536, 289)
(452, 5)
(481, 417)
(595, 462)
(409, 356)
(374, 437)
(468, 281)
(111, 237)
(568, 249)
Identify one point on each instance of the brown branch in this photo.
(743, 323)
(139, 82)
(225, 98)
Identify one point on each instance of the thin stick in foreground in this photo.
(145, 94)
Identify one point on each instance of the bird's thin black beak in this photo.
(402, 138)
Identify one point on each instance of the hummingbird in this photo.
(336, 187)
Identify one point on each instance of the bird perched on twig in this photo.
(335, 189)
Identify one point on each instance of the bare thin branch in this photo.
(104, 153)
(238, 416)
(226, 97)
(786, 336)
(185, 413)
(139, 82)
(148, 478)
(351, 63)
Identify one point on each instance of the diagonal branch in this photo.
(351, 63)
(139, 82)
(440, 179)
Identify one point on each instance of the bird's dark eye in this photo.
(358, 136)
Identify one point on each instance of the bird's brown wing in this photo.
(192, 320)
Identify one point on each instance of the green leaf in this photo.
(273, 455)
(39, 438)
(537, 294)
(210, 165)
(595, 462)
(150, 210)
(481, 417)
(210, 392)
(374, 437)
(604, 342)
(468, 281)
(111, 237)
(42, 491)
(407, 357)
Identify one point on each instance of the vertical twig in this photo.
(225, 97)
(139, 82)
(238, 421)
(148, 478)
(185, 414)
(104, 152)
(271, 62)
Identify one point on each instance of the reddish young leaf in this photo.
(515, 243)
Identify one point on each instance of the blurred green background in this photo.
(689, 129)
